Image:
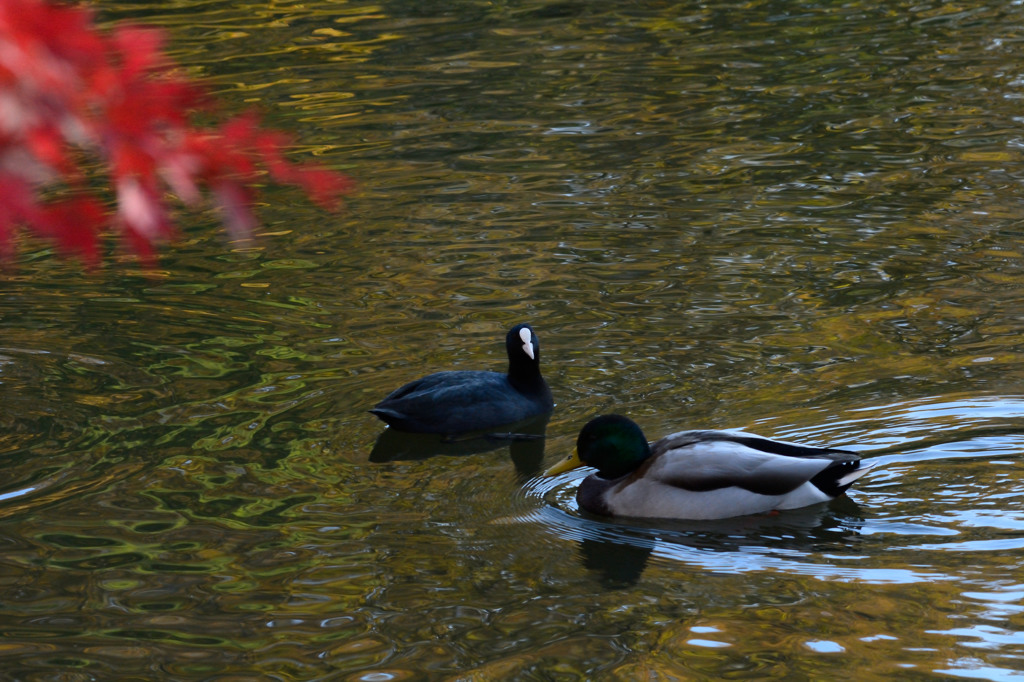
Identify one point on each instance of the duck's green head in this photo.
(611, 443)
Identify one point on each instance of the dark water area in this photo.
(799, 219)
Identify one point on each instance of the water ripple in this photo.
(887, 516)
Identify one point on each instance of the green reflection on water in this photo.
(799, 220)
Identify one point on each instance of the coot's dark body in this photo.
(462, 401)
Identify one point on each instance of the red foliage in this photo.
(71, 94)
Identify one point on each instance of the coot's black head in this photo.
(523, 350)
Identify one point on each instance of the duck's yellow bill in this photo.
(568, 464)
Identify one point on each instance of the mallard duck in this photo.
(702, 474)
(462, 401)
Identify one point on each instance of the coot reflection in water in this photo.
(524, 439)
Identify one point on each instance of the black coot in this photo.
(461, 401)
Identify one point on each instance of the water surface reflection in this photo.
(800, 221)
(524, 440)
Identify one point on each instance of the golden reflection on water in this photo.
(799, 223)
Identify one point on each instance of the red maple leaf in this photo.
(69, 91)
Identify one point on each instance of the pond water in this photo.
(800, 219)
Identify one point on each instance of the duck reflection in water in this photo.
(524, 439)
(619, 553)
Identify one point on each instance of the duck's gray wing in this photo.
(710, 460)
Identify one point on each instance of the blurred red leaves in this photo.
(72, 95)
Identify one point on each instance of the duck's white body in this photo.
(719, 474)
